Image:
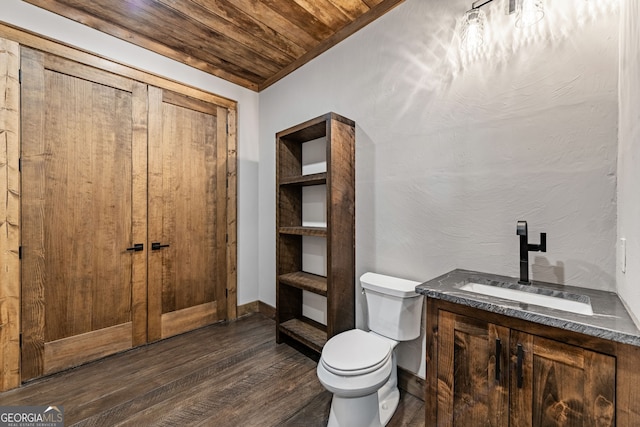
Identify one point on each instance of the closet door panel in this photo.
(77, 178)
(186, 277)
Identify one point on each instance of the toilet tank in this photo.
(395, 309)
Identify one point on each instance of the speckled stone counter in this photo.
(610, 319)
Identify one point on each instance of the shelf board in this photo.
(306, 281)
(304, 180)
(305, 231)
(308, 131)
(305, 333)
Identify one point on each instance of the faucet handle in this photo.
(542, 247)
(521, 229)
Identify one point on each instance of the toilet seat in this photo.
(355, 352)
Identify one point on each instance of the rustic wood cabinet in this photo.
(489, 370)
(338, 286)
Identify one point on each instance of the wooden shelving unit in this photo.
(339, 284)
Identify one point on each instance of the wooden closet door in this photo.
(83, 204)
(187, 213)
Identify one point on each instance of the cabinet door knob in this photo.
(157, 246)
(519, 373)
(137, 247)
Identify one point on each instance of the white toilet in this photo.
(359, 367)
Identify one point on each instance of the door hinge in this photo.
(21, 339)
(20, 76)
(226, 238)
(19, 252)
(19, 164)
(226, 293)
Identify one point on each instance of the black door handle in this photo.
(156, 246)
(137, 247)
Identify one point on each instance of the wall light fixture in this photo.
(528, 12)
(472, 30)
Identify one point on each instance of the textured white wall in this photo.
(24, 15)
(452, 151)
(629, 156)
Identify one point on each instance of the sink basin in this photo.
(574, 303)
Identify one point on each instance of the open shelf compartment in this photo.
(305, 332)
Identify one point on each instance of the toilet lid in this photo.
(355, 352)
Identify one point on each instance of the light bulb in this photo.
(472, 30)
(528, 12)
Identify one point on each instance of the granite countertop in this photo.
(610, 319)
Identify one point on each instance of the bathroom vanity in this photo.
(495, 361)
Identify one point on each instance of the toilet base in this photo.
(388, 398)
(372, 410)
(360, 411)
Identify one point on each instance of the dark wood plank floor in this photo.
(223, 375)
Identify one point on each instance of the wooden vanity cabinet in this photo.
(485, 369)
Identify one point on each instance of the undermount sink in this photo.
(574, 303)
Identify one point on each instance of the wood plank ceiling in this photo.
(252, 43)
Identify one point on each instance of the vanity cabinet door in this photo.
(472, 370)
(556, 384)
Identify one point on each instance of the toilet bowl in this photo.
(359, 367)
(354, 367)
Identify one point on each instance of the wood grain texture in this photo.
(77, 158)
(190, 221)
(94, 59)
(306, 281)
(627, 385)
(305, 231)
(468, 391)
(73, 351)
(188, 319)
(306, 333)
(220, 213)
(34, 88)
(33, 319)
(188, 208)
(232, 212)
(250, 43)
(562, 384)
(304, 180)
(248, 308)
(339, 284)
(228, 374)
(567, 384)
(375, 11)
(154, 268)
(139, 214)
(411, 383)
(341, 225)
(9, 215)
